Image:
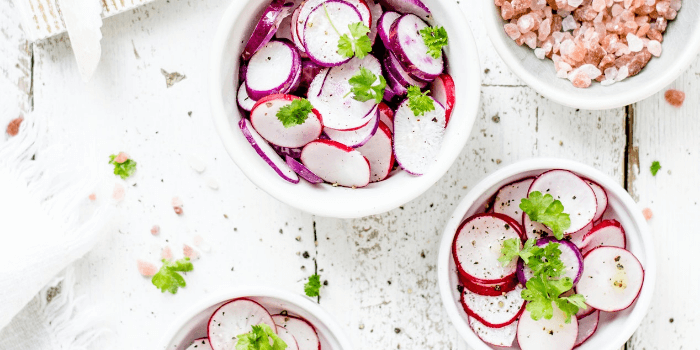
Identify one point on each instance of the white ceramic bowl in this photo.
(614, 328)
(234, 30)
(193, 323)
(680, 48)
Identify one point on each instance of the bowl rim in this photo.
(255, 291)
(644, 299)
(379, 199)
(601, 102)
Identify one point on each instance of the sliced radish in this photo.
(442, 89)
(303, 171)
(200, 344)
(330, 95)
(490, 289)
(273, 69)
(265, 121)
(417, 140)
(406, 42)
(309, 71)
(501, 337)
(608, 233)
(612, 279)
(602, 198)
(287, 338)
(336, 163)
(392, 65)
(376, 10)
(304, 333)
(544, 334)
(477, 247)
(570, 256)
(416, 7)
(285, 29)
(508, 198)
(286, 151)
(266, 27)
(355, 138)
(233, 319)
(267, 153)
(295, 33)
(386, 115)
(323, 29)
(379, 153)
(575, 194)
(494, 311)
(384, 25)
(396, 87)
(578, 236)
(586, 327)
(244, 101)
(584, 312)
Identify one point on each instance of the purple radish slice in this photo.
(586, 327)
(415, 7)
(200, 344)
(234, 318)
(386, 116)
(477, 247)
(265, 121)
(544, 334)
(602, 198)
(304, 333)
(286, 151)
(406, 42)
(295, 33)
(585, 312)
(417, 140)
(389, 94)
(336, 163)
(376, 11)
(273, 69)
(442, 89)
(355, 138)
(494, 311)
(244, 101)
(612, 279)
(379, 153)
(287, 338)
(284, 32)
(508, 198)
(267, 153)
(330, 95)
(309, 70)
(575, 194)
(608, 233)
(242, 71)
(392, 65)
(324, 28)
(303, 171)
(570, 256)
(384, 25)
(266, 27)
(395, 85)
(501, 337)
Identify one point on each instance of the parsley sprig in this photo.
(419, 102)
(313, 286)
(357, 43)
(295, 113)
(259, 339)
(123, 169)
(168, 277)
(655, 167)
(435, 38)
(367, 86)
(547, 211)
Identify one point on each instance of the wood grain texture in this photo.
(15, 67)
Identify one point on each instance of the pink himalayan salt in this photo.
(581, 80)
(146, 269)
(118, 192)
(155, 230)
(92, 197)
(178, 210)
(634, 43)
(654, 48)
(544, 30)
(166, 253)
(121, 158)
(526, 23)
(648, 214)
(13, 127)
(512, 30)
(598, 5)
(675, 97)
(189, 252)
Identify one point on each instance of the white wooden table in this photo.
(382, 283)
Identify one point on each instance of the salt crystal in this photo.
(155, 230)
(13, 126)
(526, 23)
(545, 29)
(538, 4)
(569, 23)
(145, 268)
(580, 80)
(598, 5)
(189, 252)
(675, 4)
(530, 39)
(611, 73)
(616, 10)
(675, 97)
(654, 48)
(591, 71)
(607, 82)
(166, 253)
(562, 74)
(648, 214)
(558, 37)
(567, 47)
(196, 163)
(92, 196)
(622, 73)
(575, 3)
(118, 192)
(212, 183)
(634, 43)
(512, 30)
(649, 2)
(539, 53)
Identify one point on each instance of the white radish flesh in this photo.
(324, 28)
(272, 70)
(601, 197)
(392, 65)
(200, 344)
(233, 319)
(417, 139)
(336, 163)
(578, 236)
(416, 7)
(355, 138)
(612, 279)
(608, 233)
(544, 334)
(265, 121)
(406, 42)
(376, 10)
(509, 196)
(263, 149)
(386, 116)
(285, 29)
(535, 230)
(287, 338)
(304, 333)
(379, 153)
(303, 171)
(502, 337)
(244, 101)
(587, 326)
(442, 89)
(494, 311)
(384, 25)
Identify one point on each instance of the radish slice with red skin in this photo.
(295, 33)
(275, 68)
(267, 153)
(287, 338)
(286, 151)
(303, 171)
(602, 198)
(490, 289)
(417, 140)
(200, 344)
(234, 318)
(266, 27)
(577, 237)
(575, 194)
(612, 279)
(392, 65)
(544, 334)
(442, 89)
(304, 333)
(379, 153)
(508, 198)
(501, 337)
(406, 42)
(386, 115)
(336, 163)
(384, 25)
(355, 138)
(494, 311)
(309, 71)
(244, 101)
(609, 233)
(535, 230)
(586, 327)
(326, 24)
(477, 247)
(585, 312)
(415, 7)
(265, 121)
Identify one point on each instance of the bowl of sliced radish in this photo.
(228, 320)
(547, 254)
(344, 108)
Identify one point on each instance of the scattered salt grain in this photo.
(155, 230)
(622, 73)
(539, 53)
(13, 126)
(166, 253)
(212, 183)
(607, 82)
(196, 163)
(121, 158)
(177, 205)
(189, 252)
(118, 192)
(634, 43)
(92, 197)
(675, 97)
(146, 269)
(178, 210)
(648, 214)
(512, 30)
(569, 23)
(654, 48)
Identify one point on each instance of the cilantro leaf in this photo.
(259, 339)
(435, 38)
(357, 43)
(366, 86)
(419, 102)
(295, 113)
(540, 305)
(313, 286)
(655, 167)
(168, 278)
(546, 210)
(123, 169)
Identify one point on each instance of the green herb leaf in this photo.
(419, 102)
(259, 339)
(435, 38)
(313, 286)
(655, 167)
(168, 278)
(124, 169)
(367, 86)
(546, 210)
(511, 249)
(295, 113)
(357, 43)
